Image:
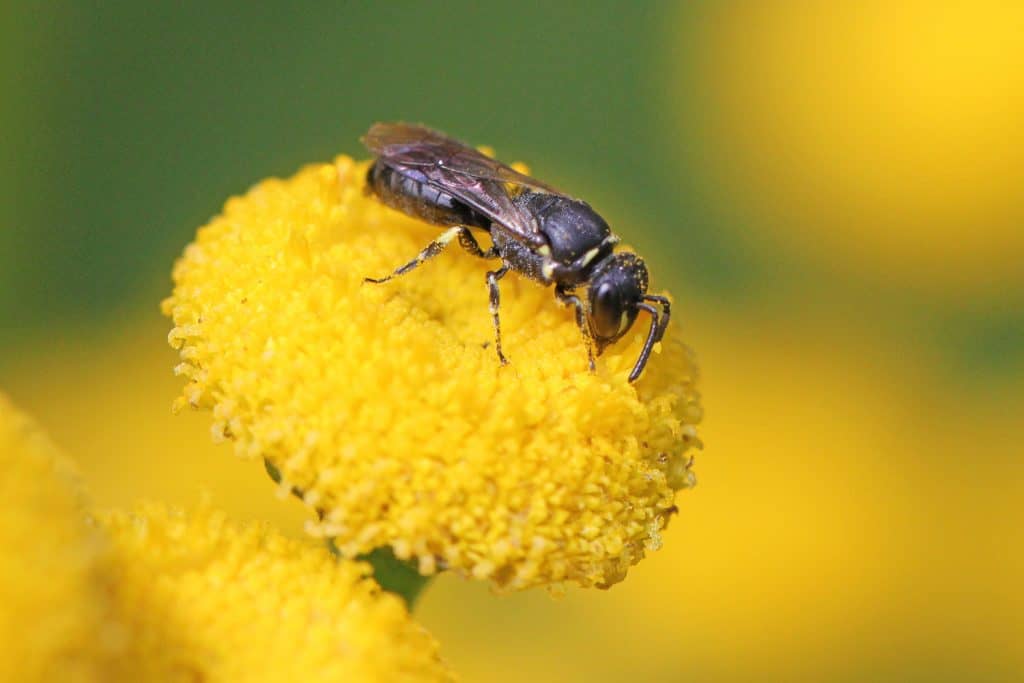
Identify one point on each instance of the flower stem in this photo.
(394, 575)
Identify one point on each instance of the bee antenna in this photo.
(659, 322)
(666, 310)
(653, 335)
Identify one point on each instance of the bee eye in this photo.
(606, 312)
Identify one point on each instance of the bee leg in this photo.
(431, 250)
(492, 285)
(469, 243)
(569, 299)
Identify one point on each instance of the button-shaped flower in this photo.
(54, 623)
(385, 408)
(158, 594)
(208, 599)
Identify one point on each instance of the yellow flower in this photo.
(207, 599)
(160, 595)
(53, 624)
(385, 406)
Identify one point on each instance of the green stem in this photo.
(394, 575)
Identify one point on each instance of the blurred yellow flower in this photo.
(883, 138)
(160, 595)
(208, 599)
(53, 622)
(107, 394)
(385, 406)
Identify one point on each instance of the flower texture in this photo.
(207, 599)
(54, 621)
(160, 595)
(385, 408)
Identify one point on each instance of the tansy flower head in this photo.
(385, 406)
(53, 619)
(208, 599)
(160, 595)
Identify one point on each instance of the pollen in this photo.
(384, 406)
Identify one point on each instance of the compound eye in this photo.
(606, 312)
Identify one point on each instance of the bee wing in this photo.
(485, 184)
(422, 146)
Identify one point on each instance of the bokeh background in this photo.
(832, 192)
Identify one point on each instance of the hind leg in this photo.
(466, 241)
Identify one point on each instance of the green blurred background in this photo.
(831, 192)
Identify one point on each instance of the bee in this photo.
(534, 229)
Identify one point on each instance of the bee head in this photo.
(617, 288)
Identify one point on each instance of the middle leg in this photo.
(492, 286)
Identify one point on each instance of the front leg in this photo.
(569, 299)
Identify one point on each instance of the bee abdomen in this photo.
(420, 199)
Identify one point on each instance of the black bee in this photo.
(534, 229)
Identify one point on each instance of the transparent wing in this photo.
(415, 145)
(451, 166)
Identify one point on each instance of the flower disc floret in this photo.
(54, 622)
(214, 600)
(384, 406)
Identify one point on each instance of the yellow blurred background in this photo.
(831, 192)
(881, 138)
